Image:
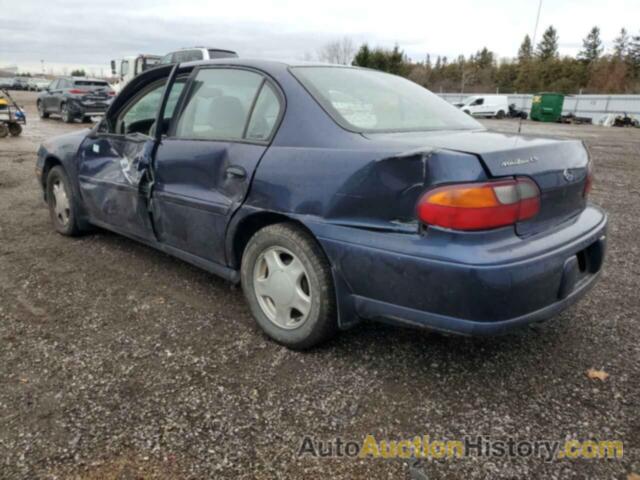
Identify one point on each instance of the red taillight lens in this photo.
(480, 206)
(588, 184)
(77, 91)
(111, 94)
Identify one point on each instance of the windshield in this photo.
(370, 101)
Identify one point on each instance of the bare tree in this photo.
(338, 51)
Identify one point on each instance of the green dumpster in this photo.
(547, 107)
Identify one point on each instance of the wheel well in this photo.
(49, 163)
(250, 225)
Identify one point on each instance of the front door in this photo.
(114, 165)
(204, 166)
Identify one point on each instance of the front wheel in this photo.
(61, 202)
(287, 282)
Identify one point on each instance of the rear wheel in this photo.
(41, 110)
(86, 119)
(4, 130)
(500, 114)
(15, 129)
(61, 202)
(65, 113)
(287, 282)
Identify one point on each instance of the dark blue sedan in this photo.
(334, 194)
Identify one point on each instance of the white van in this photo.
(486, 106)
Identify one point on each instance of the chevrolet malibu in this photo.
(334, 194)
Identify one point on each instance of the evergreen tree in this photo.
(526, 50)
(591, 46)
(634, 53)
(363, 57)
(548, 46)
(621, 44)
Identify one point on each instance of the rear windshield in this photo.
(370, 101)
(90, 83)
(221, 54)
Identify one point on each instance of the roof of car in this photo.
(262, 63)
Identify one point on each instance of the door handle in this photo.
(235, 172)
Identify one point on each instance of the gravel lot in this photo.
(117, 361)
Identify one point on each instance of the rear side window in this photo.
(219, 104)
(265, 114)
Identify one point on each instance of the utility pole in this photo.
(535, 30)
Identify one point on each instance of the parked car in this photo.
(196, 53)
(6, 82)
(38, 84)
(75, 98)
(19, 83)
(486, 106)
(334, 194)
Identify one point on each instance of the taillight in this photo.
(77, 91)
(111, 94)
(588, 183)
(480, 206)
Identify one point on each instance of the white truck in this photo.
(486, 106)
(128, 67)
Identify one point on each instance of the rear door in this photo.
(203, 168)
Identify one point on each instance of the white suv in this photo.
(196, 53)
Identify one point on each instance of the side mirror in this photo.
(113, 67)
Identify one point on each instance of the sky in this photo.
(67, 34)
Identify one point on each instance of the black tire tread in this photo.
(72, 229)
(326, 325)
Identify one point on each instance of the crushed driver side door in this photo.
(114, 170)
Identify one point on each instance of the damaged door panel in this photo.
(203, 168)
(113, 175)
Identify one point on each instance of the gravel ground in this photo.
(119, 362)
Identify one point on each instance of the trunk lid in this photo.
(559, 167)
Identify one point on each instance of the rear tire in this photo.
(4, 130)
(41, 110)
(287, 282)
(62, 205)
(65, 113)
(500, 114)
(86, 119)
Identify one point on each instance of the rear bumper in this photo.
(477, 284)
(396, 314)
(83, 109)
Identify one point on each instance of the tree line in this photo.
(536, 68)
